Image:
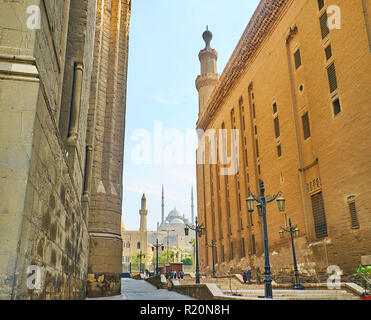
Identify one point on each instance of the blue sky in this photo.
(165, 39)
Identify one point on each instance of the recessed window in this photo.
(253, 110)
(353, 214)
(253, 245)
(257, 148)
(306, 126)
(297, 58)
(274, 108)
(279, 151)
(256, 130)
(277, 127)
(321, 4)
(331, 72)
(328, 52)
(336, 106)
(259, 169)
(319, 215)
(324, 27)
(301, 88)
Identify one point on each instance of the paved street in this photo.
(142, 290)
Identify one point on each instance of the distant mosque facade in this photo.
(170, 232)
(174, 219)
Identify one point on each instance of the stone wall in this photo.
(48, 90)
(109, 81)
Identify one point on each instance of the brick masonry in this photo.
(334, 160)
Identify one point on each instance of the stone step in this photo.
(300, 295)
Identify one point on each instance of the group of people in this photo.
(175, 275)
(247, 276)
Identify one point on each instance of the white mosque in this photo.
(170, 232)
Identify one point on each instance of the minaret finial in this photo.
(207, 36)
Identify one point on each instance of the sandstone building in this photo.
(298, 89)
(63, 71)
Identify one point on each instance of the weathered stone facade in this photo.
(316, 153)
(54, 120)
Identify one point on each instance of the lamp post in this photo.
(140, 260)
(212, 246)
(157, 245)
(262, 201)
(199, 230)
(294, 232)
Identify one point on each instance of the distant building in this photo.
(170, 233)
(298, 92)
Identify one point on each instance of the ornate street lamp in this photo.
(262, 203)
(281, 204)
(294, 232)
(199, 231)
(212, 246)
(157, 245)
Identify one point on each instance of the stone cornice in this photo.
(261, 23)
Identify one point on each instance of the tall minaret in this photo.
(143, 214)
(206, 82)
(162, 206)
(192, 207)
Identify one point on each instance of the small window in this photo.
(279, 151)
(328, 52)
(306, 126)
(257, 148)
(324, 27)
(331, 72)
(297, 57)
(256, 130)
(277, 127)
(253, 110)
(253, 244)
(353, 214)
(274, 108)
(336, 106)
(259, 170)
(138, 245)
(321, 4)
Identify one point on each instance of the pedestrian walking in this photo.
(181, 275)
(248, 275)
(244, 276)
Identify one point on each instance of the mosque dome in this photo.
(177, 221)
(173, 214)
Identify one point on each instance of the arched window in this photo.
(128, 245)
(138, 245)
